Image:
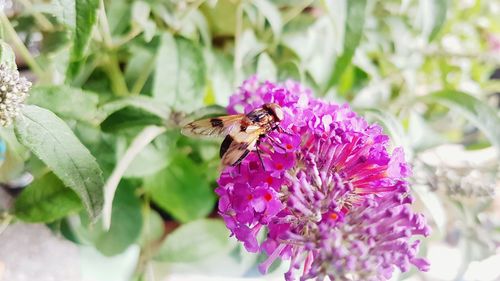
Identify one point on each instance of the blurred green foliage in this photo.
(117, 79)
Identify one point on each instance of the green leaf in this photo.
(266, 68)
(434, 205)
(206, 112)
(119, 14)
(126, 222)
(289, 70)
(140, 65)
(86, 15)
(49, 138)
(197, 19)
(144, 137)
(196, 241)
(272, 14)
(7, 55)
(153, 228)
(129, 117)
(182, 189)
(145, 103)
(52, 42)
(393, 128)
(132, 112)
(220, 75)
(477, 112)
(67, 102)
(222, 17)
(95, 266)
(353, 32)
(101, 145)
(46, 200)
(65, 12)
(248, 48)
(153, 158)
(179, 78)
(140, 16)
(298, 35)
(420, 133)
(433, 14)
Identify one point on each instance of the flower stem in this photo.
(19, 45)
(134, 32)
(145, 137)
(118, 84)
(143, 78)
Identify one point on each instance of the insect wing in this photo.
(213, 127)
(237, 146)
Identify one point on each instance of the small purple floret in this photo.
(332, 197)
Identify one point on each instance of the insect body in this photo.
(242, 132)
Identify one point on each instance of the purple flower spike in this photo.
(333, 199)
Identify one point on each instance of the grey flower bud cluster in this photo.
(456, 181)
(13, 92)
(466, 182)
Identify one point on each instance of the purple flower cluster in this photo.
(332, 199)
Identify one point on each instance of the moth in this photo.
(243, 132)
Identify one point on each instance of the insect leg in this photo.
(275, 142)
(257, 149)
(241, 158)
(281, 130)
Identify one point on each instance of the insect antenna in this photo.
(283, 131)
(275, 142)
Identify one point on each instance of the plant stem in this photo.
(118, 84)
(143, 77)
(127, 37)
(19, 45)
(149, 249)
(112, 66)
(145, 137)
